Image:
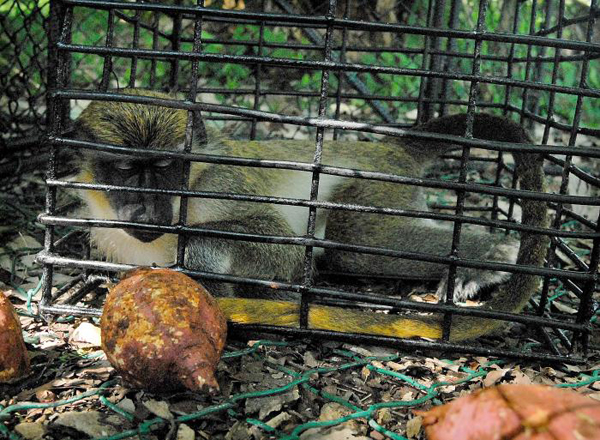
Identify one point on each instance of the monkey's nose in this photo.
(143, 236)
(140, 213)
(133, 212)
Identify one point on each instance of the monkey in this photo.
(144, 126)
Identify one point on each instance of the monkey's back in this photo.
(294, 184)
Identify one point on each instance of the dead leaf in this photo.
(86, 334)
(384, 416)
(127, 405)
(395, 366)
(574, 368)
(520, 378)
(359, 350)
(45, 396)
(184, 432)
(408, 396)
(332, 411)
(91, 423)
(365, 373)
(280, 418)
(445, 364)
(309, 360)
(562, 307)
(159, 408)
(31, 430)
(413, 426)
(269, 404)
(494, 377)
(239, 431)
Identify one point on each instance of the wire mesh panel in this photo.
(345, 76)
(22, 44)
(23, 53)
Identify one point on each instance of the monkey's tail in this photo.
(486, 127)
(512, 296)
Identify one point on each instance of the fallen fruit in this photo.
(14, 360)
(162, 331)
(515, 412)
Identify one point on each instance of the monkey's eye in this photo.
(162, 163)
(125, 165)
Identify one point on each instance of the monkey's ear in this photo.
(199, 127)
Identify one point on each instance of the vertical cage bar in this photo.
(62, 18)
(509, 74)
(460, 200)
(379, 107)
(314, 185)
(194, 124)
(135, 45)
(433, 85)
(340, 76)
(258, 76)
(534, 104)
(556, 224)
(525, 95)
(586, 311)
(511, 56)
(586, 305)
(108, 64)
(422, 115)
(155, 23)
(56, 30)
(175, 46)
(449, 61)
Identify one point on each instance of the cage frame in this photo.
(61, 93)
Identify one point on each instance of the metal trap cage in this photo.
(354, 70)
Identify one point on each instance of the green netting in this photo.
(297, 377)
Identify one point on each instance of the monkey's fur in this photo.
(144, 126)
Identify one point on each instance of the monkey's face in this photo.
(137, 206)
(138, 126)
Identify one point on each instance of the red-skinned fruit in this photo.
(14, 361)
(162, 331)
(515, 412)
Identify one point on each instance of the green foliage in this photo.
(90, 30)
(17, 10)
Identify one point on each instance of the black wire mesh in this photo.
(355, 70)
(23, 51)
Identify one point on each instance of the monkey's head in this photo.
(136, 126)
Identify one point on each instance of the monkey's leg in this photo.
(246, 259)
(415, 236)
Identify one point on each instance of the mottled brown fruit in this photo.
(162, 331)
(14, 361)
(515, 412)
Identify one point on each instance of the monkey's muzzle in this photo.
(152, 213)
(143, 236)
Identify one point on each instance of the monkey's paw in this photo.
(469, 282)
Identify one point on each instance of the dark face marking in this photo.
(141, 207)
(137, 126)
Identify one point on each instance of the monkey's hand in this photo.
(469, 282)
